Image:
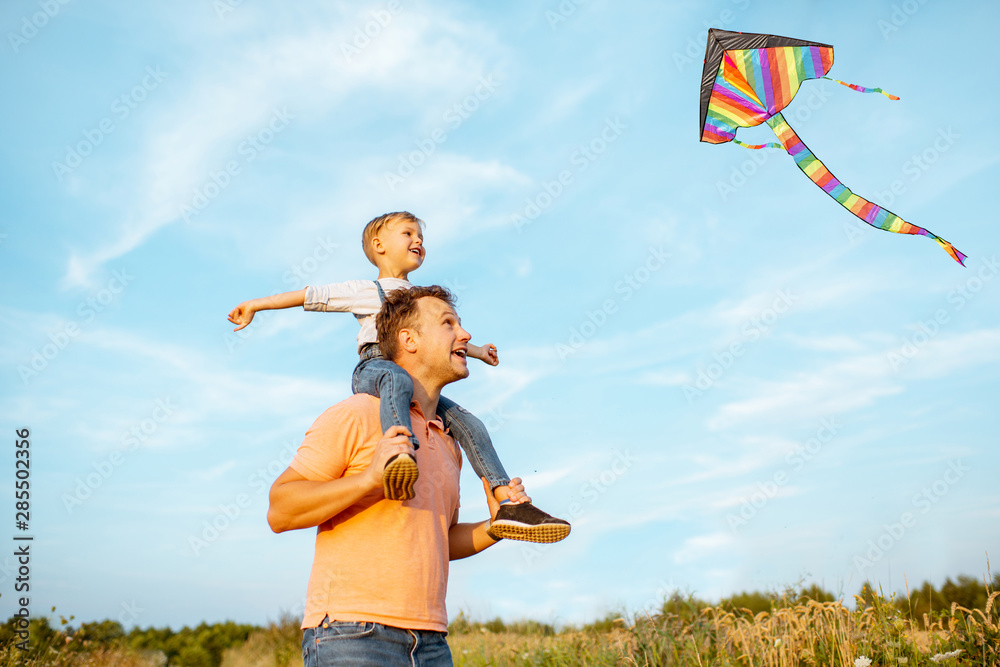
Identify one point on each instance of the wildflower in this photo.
(777, 642)
(941, 657)
(902, 661)
(862, 662)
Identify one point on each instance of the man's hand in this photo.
(492, 503)
(395, 440)
(466, 539)
(242, 314)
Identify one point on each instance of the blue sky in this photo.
(725, 380)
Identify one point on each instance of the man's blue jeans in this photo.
(389, 382)
(365, 644)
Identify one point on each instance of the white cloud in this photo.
(944, 355)
(241, 91)
(827, 343)
(665, 378)
(742, 494)
(540, 480)
(856, 382)
(447, 190)
(753, 453)
(701, 546)
(568, 97)
(833, 390)
(213, 473)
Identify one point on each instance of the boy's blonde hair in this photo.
(375, 227)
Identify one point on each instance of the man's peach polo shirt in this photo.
(381, 560)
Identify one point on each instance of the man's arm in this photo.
(296, 502)
(243, 313)
(468, 539)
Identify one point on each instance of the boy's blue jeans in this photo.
(393, 386)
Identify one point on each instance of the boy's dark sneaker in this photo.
(399, 476)
(527, 523)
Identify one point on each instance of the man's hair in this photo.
(400, 312)
(375, 227)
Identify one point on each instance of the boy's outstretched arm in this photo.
(243, 314)
(485, 353)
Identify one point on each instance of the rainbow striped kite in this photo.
(749, 78)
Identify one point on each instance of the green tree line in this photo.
(201, 646)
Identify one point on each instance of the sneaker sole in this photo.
(543, 533)
(399, 477)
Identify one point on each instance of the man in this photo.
(377, 589)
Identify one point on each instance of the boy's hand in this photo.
(242, 314)
(485, 353)
(517, 494)
(492, 358)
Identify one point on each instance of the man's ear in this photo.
(407, 340)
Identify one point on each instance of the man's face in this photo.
(443, 341)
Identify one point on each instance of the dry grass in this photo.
(278, 645)
(791, 635)
(805, 634)
(99, 657)
(568, 648)
(814, 633)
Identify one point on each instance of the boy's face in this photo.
(402, 246)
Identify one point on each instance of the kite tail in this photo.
(873, 214)
(757, 147)
(861, 89)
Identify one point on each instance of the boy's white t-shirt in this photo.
(359, 297)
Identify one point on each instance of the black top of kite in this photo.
(720, 41)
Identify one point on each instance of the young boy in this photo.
(394, 243)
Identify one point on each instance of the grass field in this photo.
(796, 631)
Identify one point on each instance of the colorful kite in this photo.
(749, 78)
